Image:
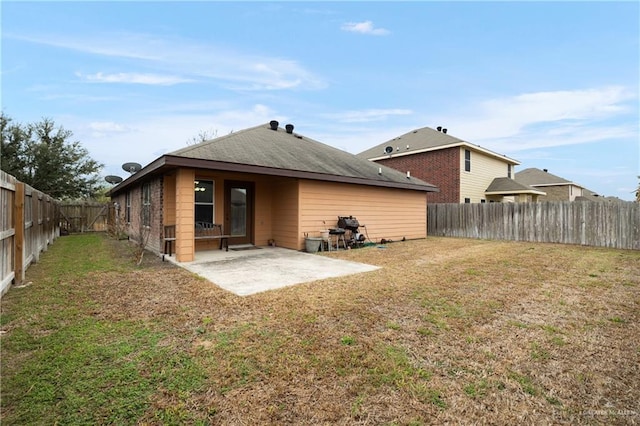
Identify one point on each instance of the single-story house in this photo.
(264, 185)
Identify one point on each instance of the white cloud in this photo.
(543, 119)
(191, 59)
(101, 129)
(367, 115)
(127, 48)
(365, 27)
(134, 78)
(142, 140)
(107, 126)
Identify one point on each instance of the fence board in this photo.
(84, 216)
(598, 224)
(28, 224)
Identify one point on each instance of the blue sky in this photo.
(554, 85)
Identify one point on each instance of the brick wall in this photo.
(555, 193)
(132, 228)
(440, 168)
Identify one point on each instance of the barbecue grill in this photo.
(351, 224)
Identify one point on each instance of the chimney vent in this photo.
(274, 125)
(289, 128)
(444, 130)
(439, 128)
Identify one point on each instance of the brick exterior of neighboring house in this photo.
(441, 168)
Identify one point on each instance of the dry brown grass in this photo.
(448, 330)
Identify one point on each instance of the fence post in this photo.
(18, 214)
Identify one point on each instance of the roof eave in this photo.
(172, 161)
(451, 145)
(148, 170)
(556, 184)
(516, 192)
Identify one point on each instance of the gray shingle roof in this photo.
(505, 185)
(535, 177)
(424, 139)
(263, 147)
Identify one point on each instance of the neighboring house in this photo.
(592, 196)
(465, 173)
(556, 188)
(267, 183)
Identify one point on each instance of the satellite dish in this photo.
(388, 150)
(112, 179)
(131, 167)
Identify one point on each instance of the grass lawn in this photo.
(448, 330)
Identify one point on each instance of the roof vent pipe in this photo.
(444, 130)
(289, 128)
(274, 125)
(439, 128)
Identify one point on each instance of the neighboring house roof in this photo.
(277, 152)
(507, 186)
(424, 140)
(537, 177)
(588, 195)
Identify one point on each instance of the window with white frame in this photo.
(204, 201)
(127, 207)
(467, 160)
(146, 204)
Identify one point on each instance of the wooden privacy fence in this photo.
(84, 216)
(29, 222)
(598, 224)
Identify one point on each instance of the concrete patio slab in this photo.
(250, 271)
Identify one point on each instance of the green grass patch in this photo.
(525, 382)
(347, 340)
(393, 325)
(91, 372)
(60, 365)
(476, 389)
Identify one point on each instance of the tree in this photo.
(12, 149)
(637, 191)
(203, 136)
(44, 157)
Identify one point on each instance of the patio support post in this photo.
(185, 215)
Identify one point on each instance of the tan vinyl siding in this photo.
(387, 213)
(285, 215)
(185, 218)
(484, 169)
(263, 211)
